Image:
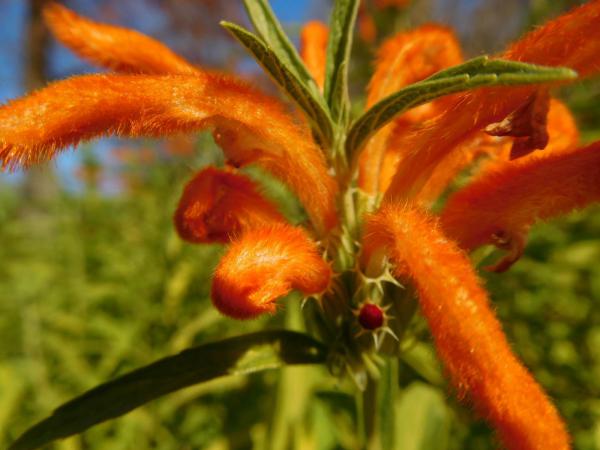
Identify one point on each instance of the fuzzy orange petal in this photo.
(572, 40)
(562, 132)
(499, 206)
(403, 59)
(264, 265)
(313, 49)
(468, 337)
(113, 47)
(218, 205)
(250, 126)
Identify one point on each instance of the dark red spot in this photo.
(370, 316)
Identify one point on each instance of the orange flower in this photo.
(218, 205)
(313, 49)
(467, 335)
(113, 47)
(416, 156)
(34, 128)
(569, 41)
(266, 264)
(499, 206)
(403, 59)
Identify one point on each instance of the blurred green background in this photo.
(94, 282)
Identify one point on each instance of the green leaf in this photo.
(298, 92)
(239, 355)
(475, 73)
(422, 419)
(387, 392)
(341, 28)
(269, 29)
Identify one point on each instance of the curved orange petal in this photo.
(313, 49)
(467, 335)
(217, 205)
(115, 48)
(562, 135)
(572, 40)
(499, 206)
(266, 264)
(406, 58)
(250, 126)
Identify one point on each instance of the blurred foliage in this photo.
(93, 285)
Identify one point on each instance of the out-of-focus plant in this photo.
(368, 244)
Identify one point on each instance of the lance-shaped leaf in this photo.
(294, 87)
(341, 28)
(472, 74)
(269, 29)
(240, 355)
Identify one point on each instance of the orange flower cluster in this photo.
(408, 163)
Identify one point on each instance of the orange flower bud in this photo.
(313, 49)
(218, 205)
(250, 126)
(467, 335)
(266, 264)
(403, 59)
(499, 206)
(571, 40)
(113, 47)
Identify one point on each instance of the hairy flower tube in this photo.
(218, 205)
(500, 205)
(368, 232)
(264, 265)
(464, 328)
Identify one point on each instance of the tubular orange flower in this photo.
(468, 337)
(218, 205)
(500, 206)
(265, 264)
(560, 129)
(34, 128)
(313, 49)
(403, 59)
(568, 41)
(115, 48)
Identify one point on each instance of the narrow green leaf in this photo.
(295, 88)
(475, 73)
(341, 29)
(422, 419)
(387, 392)
(239, 355)
(270, 30)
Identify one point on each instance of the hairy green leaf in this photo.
(296, 89)
(239, 355)
(341, 28)
(269, 29)
(475, 73)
